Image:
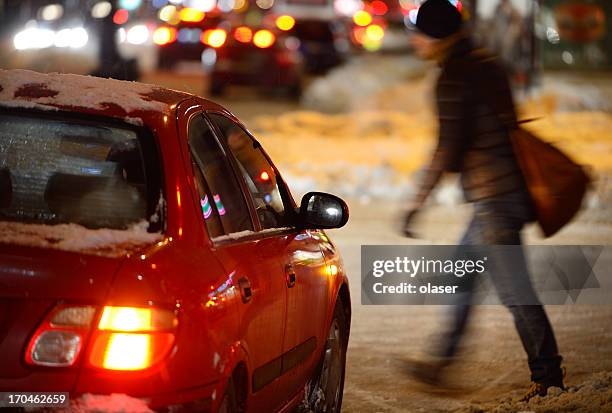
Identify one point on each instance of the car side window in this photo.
(223, 205)
(258, 173)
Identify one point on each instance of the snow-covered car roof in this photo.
(130, 101)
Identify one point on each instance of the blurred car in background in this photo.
(182, 42)
(324, 44)
(253, 55)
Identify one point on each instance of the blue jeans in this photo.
(498, 221)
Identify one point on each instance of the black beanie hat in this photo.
(438, 19)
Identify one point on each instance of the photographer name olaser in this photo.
(424, 267)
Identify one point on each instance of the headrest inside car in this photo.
(95, 201)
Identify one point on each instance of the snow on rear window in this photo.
(72, 237)
(25, 88)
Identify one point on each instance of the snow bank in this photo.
(73, 237)
(349, 87)
(593, 395)
(114, 403)
(25, 88)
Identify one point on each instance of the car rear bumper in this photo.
(199, 399)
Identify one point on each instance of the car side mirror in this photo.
(319, 210)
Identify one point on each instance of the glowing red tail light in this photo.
(214, 37)
(131, 338)
(126, 338)
(243, 34)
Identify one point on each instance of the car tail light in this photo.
(59, 339)
(264, 39)
(164, 35)
(131, 338)
(214, 37)
(243, 34)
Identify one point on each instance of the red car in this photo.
(150, 252)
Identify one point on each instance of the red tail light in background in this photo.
(126, 338)
(243, 34)
(214, 37)
(264, 39)
(164, 35)
(130, 338)
(379, 7)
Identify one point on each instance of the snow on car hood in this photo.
(73, 237)
(28, 89)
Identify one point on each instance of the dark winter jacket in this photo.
(476, 112)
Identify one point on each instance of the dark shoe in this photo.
(428, 372)
(541, 389)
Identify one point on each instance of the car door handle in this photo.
(246, 292)
(290, 276)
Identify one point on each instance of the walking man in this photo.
(476, 113)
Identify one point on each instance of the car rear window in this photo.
(55, 171)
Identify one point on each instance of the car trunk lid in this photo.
(34, 280)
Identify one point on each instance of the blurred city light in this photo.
(79, 37)
(226, 5)
(241, 5)
(33, 38)
(348, 7)
(243, 34)
(101, 9)
(52, 12)
(265, 4)
(362, 18)
(264, 39)
(159, 3)
(285, 22)
(189, 14)
(164, 35)
(187, 35)
(202, 5)
(63, 38)
(292, 43)
(379, 7)
(121, 16)
(209, 57)
(38, 38)
(168, 13)
(375, 32)
(130, 4)
(138, 34)
(214, 37)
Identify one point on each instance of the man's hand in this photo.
(408, 223)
